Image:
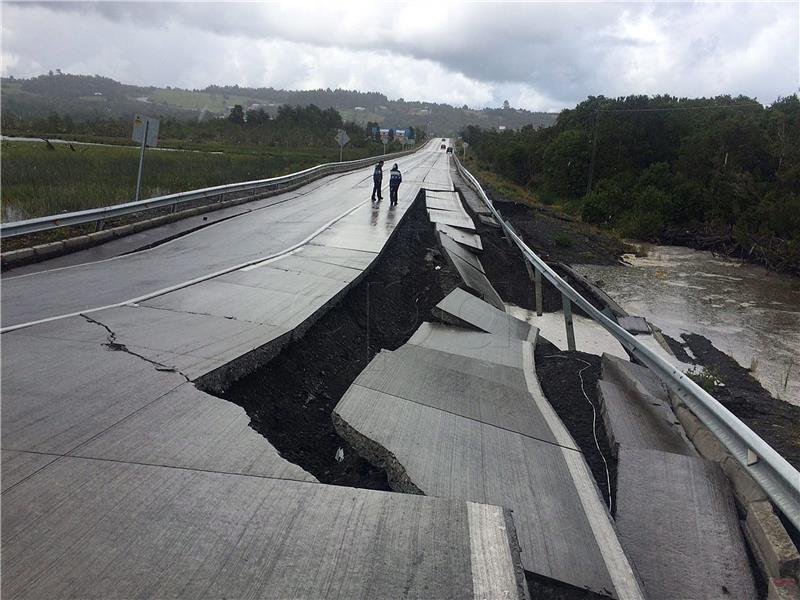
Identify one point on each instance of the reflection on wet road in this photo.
(747, 312)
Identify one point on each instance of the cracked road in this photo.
(271, 230)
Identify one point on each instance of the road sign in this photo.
(342, 137)
(145, 126)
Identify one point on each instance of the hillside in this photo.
(84, 97)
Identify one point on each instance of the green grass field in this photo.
(215, 103)
(37, 182)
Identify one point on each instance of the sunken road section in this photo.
(290, 398)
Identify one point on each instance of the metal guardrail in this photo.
(16, 228)
(779, 480)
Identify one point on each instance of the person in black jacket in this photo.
(395, 178)
(377, 180)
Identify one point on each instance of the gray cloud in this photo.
(541, 56)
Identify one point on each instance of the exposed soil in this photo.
(559, 238)
(777, 422)
(290, 399)
(505, 266)
(560, 373)
(544, 587)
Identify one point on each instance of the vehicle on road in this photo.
(443, 146)
(449, 149)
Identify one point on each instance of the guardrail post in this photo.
(536, 277)
(537, 285)
(567, 304)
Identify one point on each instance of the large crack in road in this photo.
(290, 399)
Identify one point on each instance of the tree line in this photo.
(290, 127)
(720, 173)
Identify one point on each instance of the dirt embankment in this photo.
(776, 421)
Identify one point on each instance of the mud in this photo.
(777, 422)
(290, 399)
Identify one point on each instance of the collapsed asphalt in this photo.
(290, 399)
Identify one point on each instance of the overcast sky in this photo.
(540, 56)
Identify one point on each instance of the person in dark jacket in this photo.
(377, 180)
(395, 178)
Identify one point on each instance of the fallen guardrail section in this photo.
(778, 479)
(254, 188)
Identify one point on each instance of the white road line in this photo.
(172, 288)
(321, 183)
(619, 567)
(184, 284)
(173, 241)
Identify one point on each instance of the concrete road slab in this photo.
(197, 336)
(456, 249)
(633, 378)
(441, 194)
(475, 204)
(446, 385)
(466, 238)
(466, 342)
(444, 201)
(265, 296)
(17, 465)
(637, 421)
(190, 429)
(465, 308)
(438, 178)
(448, 217)
(298, 263)
(447, 455)
(102, 529)
(352, 237)
(510, 376)
(634, 324)
(678, 523)
(353, 259)
(80, 395)
(476, 281)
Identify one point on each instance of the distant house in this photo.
(501, 128)
(254, 107)
(98, 93)
(359, 108)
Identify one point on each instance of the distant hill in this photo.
(85, 97)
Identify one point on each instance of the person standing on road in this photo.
(377, 180)
(395, 178)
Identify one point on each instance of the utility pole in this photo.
(594, 152)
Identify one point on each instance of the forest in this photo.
(720, 173)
